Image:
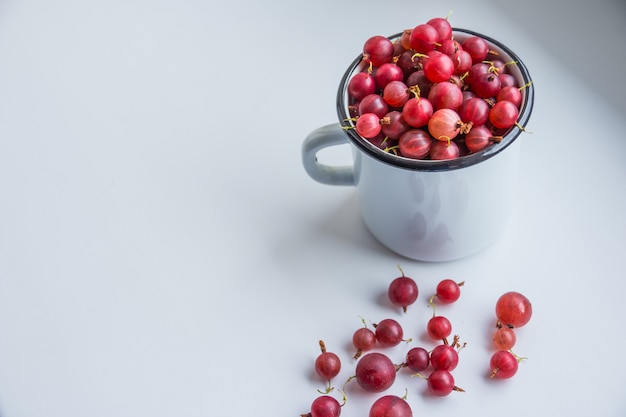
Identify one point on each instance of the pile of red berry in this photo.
(375, 372)
(428, 94)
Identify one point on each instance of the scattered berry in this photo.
(375, 372)
(441, 383)
(503, 364)
(327, 365)
(403, 291)
(444, 357)
(390, 406)
(504, 338)
(324, 406)
(439, 328)
(513, 310)
(448, 291)
(388, 333)
(417, 359)
(363, 339)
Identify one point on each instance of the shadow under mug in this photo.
(426, 210)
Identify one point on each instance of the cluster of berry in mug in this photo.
(429, 94)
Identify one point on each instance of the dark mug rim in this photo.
(438, 165)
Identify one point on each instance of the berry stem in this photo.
(343, 389)
(522, 128)
(322, 346)
(392, 149)
(328, 389)
(519, 358)
(415, 90)
(526, 85)
(431, 303)
(419, 55)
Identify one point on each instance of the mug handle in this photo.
(320, 138)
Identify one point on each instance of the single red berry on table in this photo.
(375, 372)
(441, 383)
(439, 328)
(417, 359)
(403, 291)
(390, 406)
(448, 291)
(503, 364)
(504, 338)
(388, 332)
(327, 364)
(363, 339)
(513, 309)
(444, 357)
(324, 406)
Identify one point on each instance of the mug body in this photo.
(436, 215)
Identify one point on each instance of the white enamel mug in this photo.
(424, 209)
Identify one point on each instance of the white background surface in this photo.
(162, 251)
